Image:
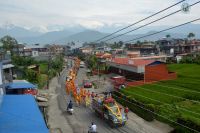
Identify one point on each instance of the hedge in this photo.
(148, 116)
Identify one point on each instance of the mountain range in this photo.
(81, 34)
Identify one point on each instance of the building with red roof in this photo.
(140, 69)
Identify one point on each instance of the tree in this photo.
(121, 43)
(138, 42)
(31, 76)
(168, 36)
(191, 35)
(9, 43)
(23, 61)
(57, 63)
(92, 62)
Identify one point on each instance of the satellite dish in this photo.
(185, 8)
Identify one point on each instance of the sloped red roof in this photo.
(99, 54)
(103, 55)
(132, 62)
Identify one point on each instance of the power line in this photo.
(161, 31)
(159, 115)
(166, 103)
(140, 21)
(158, 81)
(149, 23)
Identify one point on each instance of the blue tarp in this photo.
(20, 114)
(20, 85)
(155, 63)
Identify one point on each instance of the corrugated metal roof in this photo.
(20, 114)
(131, 62)
(20, 85)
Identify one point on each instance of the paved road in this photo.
(56, 120)
(83, 116)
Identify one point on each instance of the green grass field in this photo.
(43, 68)
(174, 99)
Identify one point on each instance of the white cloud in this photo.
(90, 24)
(88, 13)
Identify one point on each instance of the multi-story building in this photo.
(67, 50)
(178, 46)
(86, 50)
(56, 49)
(38, 50)
(19, 49)
(145, 49)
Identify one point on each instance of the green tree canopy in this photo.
(168, 36)
(92, 62)
(8, 43)
(191, 35)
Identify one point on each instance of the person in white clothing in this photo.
(93, 128)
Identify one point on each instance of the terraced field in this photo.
(173, 99)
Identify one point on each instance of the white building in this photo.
(35, 53)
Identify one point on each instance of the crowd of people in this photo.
(81, 95)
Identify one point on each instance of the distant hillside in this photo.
(46, 38)
(85, 36)
(80, 34)
(89, 36)
(17, 32)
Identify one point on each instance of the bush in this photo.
(31, 76)
(52, 73)
(187, 123)
(191, 59)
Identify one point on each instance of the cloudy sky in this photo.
(54, 14)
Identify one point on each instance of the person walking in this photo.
(126, 110)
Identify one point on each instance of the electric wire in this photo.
(162, 30)
(139, 21)
(158, 114)
(149, 23)
(166, 103)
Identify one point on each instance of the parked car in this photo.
(87, 84)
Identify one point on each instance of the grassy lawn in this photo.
(43, 68)
(170, 98)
